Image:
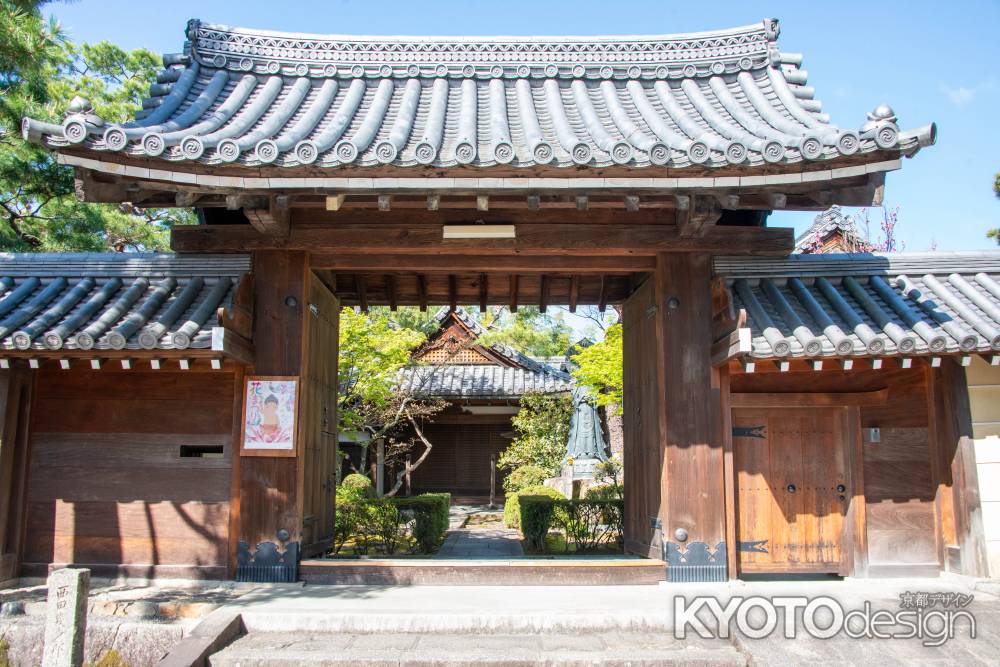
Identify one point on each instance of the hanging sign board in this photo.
(270, 409)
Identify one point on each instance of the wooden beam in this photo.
(736, 344)
(385, 202)
(186, 199)
(452, 292)
(582, 202)
(433, 202)
(531, 239)
(444, 263)
(809, 399)
(700, 215)
(274, 221)
(534, 202)
(231, 345)
(543, 293)
(631, 203)
(482, 202)
(422, 291)
(392, 291)
(361, 287)
(513, 292)
(335, 202)
(483, 292)
(602, 300)
(574, 292)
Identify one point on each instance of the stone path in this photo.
(636, 649)
(488, 543)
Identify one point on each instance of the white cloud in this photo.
(963, 95)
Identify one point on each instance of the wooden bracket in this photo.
(700, 214)
(238, 317)
(275, 220)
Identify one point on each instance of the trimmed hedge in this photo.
(511, 507)
(524, 477)
(588, 524)
(430, 512)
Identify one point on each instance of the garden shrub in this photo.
(536, 518)
(588, 524)
(602, 492)
(430, 512)
(350, 513)
(357, 483)
(511, 507)
(525, 476)
(381, 526)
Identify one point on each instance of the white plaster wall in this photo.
(984, 397)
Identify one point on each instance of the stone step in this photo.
(608, 648)
(563, 571)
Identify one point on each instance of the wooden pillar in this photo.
(15, 404)
(961, 541)
(693, 515)
(270, 509)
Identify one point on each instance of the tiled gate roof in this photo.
(815, 306)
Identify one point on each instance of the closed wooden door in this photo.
(792, 489)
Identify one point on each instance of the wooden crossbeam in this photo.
(452, 292)
(602, 300)
(533, 239)
(543, 294)
(513, 292)
(446, 263)
(736, 344)
(335, 202)
(385, 202)
(631, 203)
(433, 202)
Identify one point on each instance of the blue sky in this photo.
(931, 61)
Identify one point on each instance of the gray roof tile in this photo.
(113, 301)
(259, 98)
(832, 305)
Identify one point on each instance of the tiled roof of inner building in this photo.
(481, 381)
(814, 306)
(260, 98)
(113, 301)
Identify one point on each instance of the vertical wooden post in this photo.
(961, 538)
(270, 498)
(15, 405)
(692, 476)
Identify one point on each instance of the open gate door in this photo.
(793, 489)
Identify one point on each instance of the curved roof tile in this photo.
(815, 306)
(255, 97)
(114, 301)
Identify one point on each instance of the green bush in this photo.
(430, 512)
(350, 512)
(358, 483)
(381, 526)
(523, 477)
(536, 518)
(588, 524)
(602, 492)
(512, 509)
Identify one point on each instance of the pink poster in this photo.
(269, 414)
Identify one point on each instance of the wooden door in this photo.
(793, 489)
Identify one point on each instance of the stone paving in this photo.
(583, 625)
(471, 543)
(447, 650)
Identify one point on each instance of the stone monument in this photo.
(66, 618)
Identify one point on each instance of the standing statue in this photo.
(586, 437)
